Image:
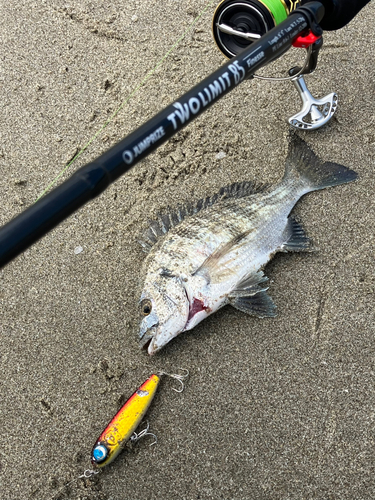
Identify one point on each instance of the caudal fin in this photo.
(303, 164)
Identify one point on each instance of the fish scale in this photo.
(205, 256)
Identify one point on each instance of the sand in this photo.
(274, 409)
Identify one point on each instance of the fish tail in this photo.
(303, 164)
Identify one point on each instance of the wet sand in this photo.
(274, 409)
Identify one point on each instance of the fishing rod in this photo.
(252, 34)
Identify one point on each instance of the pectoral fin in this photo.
(217, 266)
(249, 285)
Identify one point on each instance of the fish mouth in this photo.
(148, 344)
(153, 347)
(147, 337)
(145, 341)
(145, 344)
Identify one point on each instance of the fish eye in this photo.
(146, 307)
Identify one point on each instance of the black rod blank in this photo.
(90, 180)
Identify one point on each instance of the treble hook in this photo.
(179, 377)
(137, 436)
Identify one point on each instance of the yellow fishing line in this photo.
(149, 74)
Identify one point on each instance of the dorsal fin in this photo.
(171, 218)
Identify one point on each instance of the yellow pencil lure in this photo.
(122, 426)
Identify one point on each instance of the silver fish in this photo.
(204, 256)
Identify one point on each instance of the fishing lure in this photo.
(122, 427)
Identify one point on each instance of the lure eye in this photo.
(146, 307)
(99, 453)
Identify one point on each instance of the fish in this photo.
(203, 256)
(123, 425)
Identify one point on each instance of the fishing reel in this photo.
(239, 23)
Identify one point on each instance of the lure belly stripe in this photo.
(124, 423)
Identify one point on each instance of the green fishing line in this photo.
(149, 74)
(277, 9)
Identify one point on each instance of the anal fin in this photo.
(295, 237)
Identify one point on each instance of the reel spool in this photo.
(238, 23)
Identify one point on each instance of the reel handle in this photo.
(315, 113)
